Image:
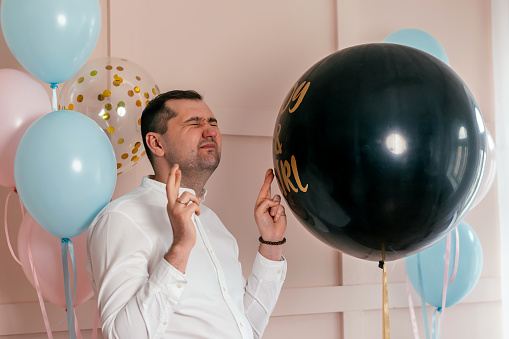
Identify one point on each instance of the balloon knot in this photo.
(381, 264)
(439, 309)
(15, 190)
(54, 86)
(65, 240)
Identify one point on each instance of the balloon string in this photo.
(437, 334)
(446, 279)
(385, 294)
(423, 303)
(37, 286)
(67, 283)
(7, 229)
(456, 256)
(415, 328)
(440, 311)
(54, 100)
(433, 324)
(76, 325)
(96, 322)
(75, 271)
(61, 97)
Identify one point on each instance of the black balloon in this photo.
(379, 147)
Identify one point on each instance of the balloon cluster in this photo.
(64, 167)
(380, 150)
(61, 163)
(443, 274)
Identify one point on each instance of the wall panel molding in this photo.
(26, 317)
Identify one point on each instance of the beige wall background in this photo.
(244, 57)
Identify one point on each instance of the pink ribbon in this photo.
(446, 274)
(31, 260)
(7, 229)
(412, 311)
(76, 325)
(456, 257)
(38, 288)
(444, 290)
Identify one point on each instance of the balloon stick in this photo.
(67, 246)
(386, 327)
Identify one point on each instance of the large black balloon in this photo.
(379, 147)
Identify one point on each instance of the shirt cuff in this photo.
(169, 280)
(266, 269)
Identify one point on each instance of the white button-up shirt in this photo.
(140, 295)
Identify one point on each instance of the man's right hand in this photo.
(180, 210)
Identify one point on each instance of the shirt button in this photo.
(165, 323)
(224, 289)
(278, 271)
(240, 324)
(179, 285)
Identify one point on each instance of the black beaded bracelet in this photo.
(272, 242)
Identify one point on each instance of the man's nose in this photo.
(209, 131)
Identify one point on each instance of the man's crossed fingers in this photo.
(180, 204)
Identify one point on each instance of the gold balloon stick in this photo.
(385, 293)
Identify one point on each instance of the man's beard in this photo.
(198, 164)
(209, 162)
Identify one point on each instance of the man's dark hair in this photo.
(156, 115)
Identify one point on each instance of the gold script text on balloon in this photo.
(286, 169)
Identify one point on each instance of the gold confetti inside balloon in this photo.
(111, 92)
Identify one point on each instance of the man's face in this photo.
(193, 139)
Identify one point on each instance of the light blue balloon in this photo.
(65, 172)
(52, 39)
(432, 260)
(418, 39)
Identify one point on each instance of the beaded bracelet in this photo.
(272, 242)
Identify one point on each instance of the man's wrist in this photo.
(271, 252)
(181, 248)
(178, 255)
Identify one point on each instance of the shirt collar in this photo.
(161, 187)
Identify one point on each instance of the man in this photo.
(162, 265)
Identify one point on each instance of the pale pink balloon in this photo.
(490, 170)
(22, 101)
(47, 259)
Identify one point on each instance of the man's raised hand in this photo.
(180, 211)
(269, 213)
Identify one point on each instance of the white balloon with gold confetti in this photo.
(113, 92)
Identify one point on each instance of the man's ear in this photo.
(152, 140)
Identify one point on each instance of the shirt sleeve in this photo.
(132, 303)
(262, 291)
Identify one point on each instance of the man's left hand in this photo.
(269, 213)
